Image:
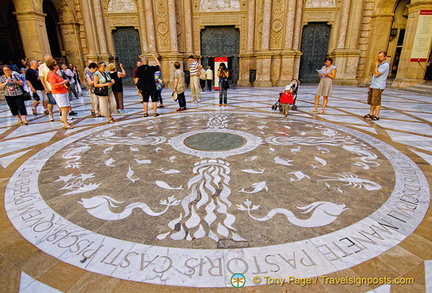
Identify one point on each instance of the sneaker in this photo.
(72, 113)
(46, 112)
(51, 117)
(161, 106)
(34, 111)
(375, 118)
(180, 109)
(122, 111)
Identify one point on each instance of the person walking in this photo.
(146, 84)
(35, 85)
(223, 75)
(325, 87)
(179, 86)
(209, 77)
(194, 68)
(117, 87)
(59, 91)
(90, 70)
(12, 84)
(203, 78)
(68, 74)
(43, 73)
(107, 103)
(377, 86)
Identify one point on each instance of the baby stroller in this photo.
(294, 86)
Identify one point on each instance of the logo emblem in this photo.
(238, 280)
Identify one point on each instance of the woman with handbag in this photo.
(103, 89)
(223, 75)
(59, 91)
(12, 84)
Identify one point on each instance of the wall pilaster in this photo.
(33, 31)
(409, 72)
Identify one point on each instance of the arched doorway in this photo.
(11, 49)
(315, 41)
(397, 34)
(221, 41)
(53, 30)
(127, 47)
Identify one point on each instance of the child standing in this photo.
(286, 100)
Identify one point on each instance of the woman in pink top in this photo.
(59, 91)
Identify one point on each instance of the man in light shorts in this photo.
(195, 68)
(377, 86)
(35, 85)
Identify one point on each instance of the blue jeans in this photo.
(223, 94)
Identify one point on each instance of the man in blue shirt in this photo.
(377, 86)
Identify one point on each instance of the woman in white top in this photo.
(327, 73)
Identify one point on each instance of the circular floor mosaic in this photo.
(192, 200)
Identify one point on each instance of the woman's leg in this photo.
(220, 93)
(315, 109)
(112, 106)
(324, 105)
(225, 94)
(103, 106)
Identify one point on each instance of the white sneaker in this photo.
(51, 117)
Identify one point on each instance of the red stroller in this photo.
(294, 86)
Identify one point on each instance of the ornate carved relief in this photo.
(220, 5)
(320, 3)
(179, 26)
(277, 24)
(121, 6)
(259, 24)
(162, 25)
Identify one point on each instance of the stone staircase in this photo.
(421, 88)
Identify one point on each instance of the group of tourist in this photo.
(49, 85)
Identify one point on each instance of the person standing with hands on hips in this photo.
(377, 86)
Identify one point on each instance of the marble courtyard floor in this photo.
(219, 197)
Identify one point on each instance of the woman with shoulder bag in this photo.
(103, 89)
(59, 91)
(223, 75)
(12, 85)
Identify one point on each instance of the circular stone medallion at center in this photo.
(214, 141)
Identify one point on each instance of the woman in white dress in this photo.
(327, 73)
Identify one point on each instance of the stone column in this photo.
(173, 26)
(100, 29)
(150, 26)
(288, 53)
(33, 34)
(71, 43)
(346, 53)
(89, 27)
(251, 27)
(188, 27)
(264, 57)
(142, 28)
(378, 41)
(411, 72)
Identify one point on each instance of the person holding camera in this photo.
(223, 75)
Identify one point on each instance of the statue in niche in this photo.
(118, 6)
(219, 5)
(320, 3)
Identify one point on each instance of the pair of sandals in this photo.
(155, 114)
(371, 117)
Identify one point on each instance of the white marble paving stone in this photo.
(415, 127)
(30, 285)
(426, 157)
(24, 142)
(418, 141)
(428, 276)
(5, 161)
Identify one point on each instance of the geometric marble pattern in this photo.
(190, 199)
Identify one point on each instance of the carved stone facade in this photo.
(270, 33)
